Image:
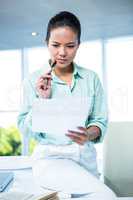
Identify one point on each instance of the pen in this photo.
(52, 65)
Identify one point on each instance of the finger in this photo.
(77, 136)
(82, 128)
(43, 81)
(45, 76)
(48, 87)
(81, 137)
(73, 135)
(80, 142)
(76, 132)
(49, 83)
(40, 85)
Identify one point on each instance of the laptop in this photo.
(5, 179)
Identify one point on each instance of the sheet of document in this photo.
(57, 116)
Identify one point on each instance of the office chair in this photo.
(118, 158)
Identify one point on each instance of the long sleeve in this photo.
(98, 116)
(25, 115)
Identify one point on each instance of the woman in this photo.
(64, 80)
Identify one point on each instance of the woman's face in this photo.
(63, 45)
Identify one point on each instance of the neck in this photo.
(64, 71)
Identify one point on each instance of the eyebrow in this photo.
(66, 43)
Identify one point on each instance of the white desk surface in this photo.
(23, 179)
(125, 198)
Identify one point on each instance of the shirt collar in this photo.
(77, 72)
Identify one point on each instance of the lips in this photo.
(61, 60)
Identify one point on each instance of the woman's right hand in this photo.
(43, 85)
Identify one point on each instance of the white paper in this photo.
(57, 116)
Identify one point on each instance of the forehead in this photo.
(63, 34)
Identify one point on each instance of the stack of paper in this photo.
(25, 196)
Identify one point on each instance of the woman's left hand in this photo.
(80, 137)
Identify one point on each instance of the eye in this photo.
(71, 46)
(55, 45)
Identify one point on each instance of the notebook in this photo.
(5, 179)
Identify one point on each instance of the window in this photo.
(36, 58)
(10, 80)
(119, 62)
(89, 55)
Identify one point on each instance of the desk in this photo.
(22, 168)
(125, 198)
(24, 181)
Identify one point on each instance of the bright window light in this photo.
(119, 75)
(36, 58)
(89, 55)
(10, 80)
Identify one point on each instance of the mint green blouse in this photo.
(85, 83)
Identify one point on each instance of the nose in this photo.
(62, 51)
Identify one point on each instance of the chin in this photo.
(63, 65)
